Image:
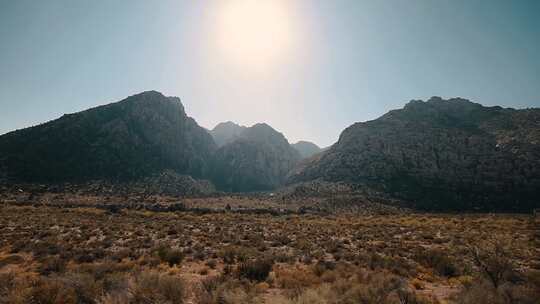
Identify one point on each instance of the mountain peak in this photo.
(436, 101)
(226, 132)
(440, 154)
(254, 158)
(456, 112)
(152, 98)
(149, 94)
(133, 138)
(306, 148)
(263, 132)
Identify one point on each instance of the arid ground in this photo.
(89, 255)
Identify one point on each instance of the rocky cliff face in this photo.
(226, 132)
(440, 154)
(306, 148)
(141, 135)
(259, 159)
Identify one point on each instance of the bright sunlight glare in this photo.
(254, 33)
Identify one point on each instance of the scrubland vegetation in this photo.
(87, 255)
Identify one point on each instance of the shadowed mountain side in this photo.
(258, 160)
(141, 135)
(306, 148)
(226, 132)
(440, 155)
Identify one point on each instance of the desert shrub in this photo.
(208, 292)
(478, 292)
(41, 249)
(231, 253)
(85, 286)
(85, 257)
(438, 260)
(170, 256)
(333, 246)
(238, 295)
(118, 255)
(51, 265)
(483, 291)
(295, 281)
(113, 209)
(224, 290)
(373, 288)
(101, 270)
(11, 259)
(280, 240)
(378, 288)
(409, 297)
(256, 270)
(51, 291)
(199, 255)
(395, 264)
(116, 281)
(322, 266)
(153, 287)
(117, 297)
(18, 246)
(320, 295)
(8, 286)
(68, 288)
(211, 263)
(227, 254)
(284, 257)
(493, 259)
(149, 260)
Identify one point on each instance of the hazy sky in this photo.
(308, 68)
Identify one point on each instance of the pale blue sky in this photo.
(351, 61)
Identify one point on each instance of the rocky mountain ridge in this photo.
(258, 159)
(141, 135)
(440, 154)
(306, 148)
(226, 132)
(434, 155)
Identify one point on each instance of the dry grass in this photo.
(85, 255)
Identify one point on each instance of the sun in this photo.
(254, 32)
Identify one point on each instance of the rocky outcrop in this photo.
(137, 137)
(226, 132)
(440, 154)
(306, 148)
(259, 159)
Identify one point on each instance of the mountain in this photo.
(226, 132)
(139, 136)
(258, 159)
(306, 148)
(440, 155)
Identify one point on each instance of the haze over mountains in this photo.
(439, 154)
(306, 148)
(258, 158)
(226, 132)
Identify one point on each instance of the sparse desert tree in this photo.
(492, 257)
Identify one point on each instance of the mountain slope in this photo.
(226, 132)
(259, 159)
(306, 148)
(141, 135)
(440, 154)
